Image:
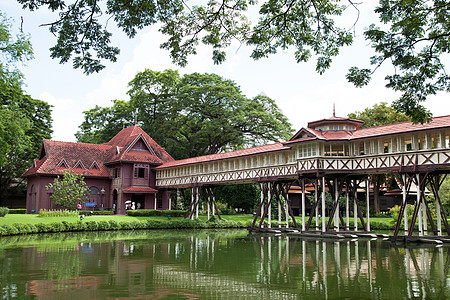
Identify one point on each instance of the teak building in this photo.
(335, 154)
(120, 170)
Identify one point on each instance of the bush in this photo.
(156, 212)
(18, 211)
(4, 211)
(91, 225)
(9, 230)
(113, 225)
(103, 225)
(22, 228)
(95, 212)
(58, 213)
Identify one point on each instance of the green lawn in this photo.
(34, 219)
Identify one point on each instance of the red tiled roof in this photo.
(371, 132)
(140, 189)
(335, 119)
(404, 127)
(127, 136)
(225, 155)
(54, 152)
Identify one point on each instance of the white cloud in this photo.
(66, 114)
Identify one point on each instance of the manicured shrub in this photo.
(17, 211)
(44, 227)
(95, 212)
(58, 213)
(57, 227)
(22, 228)
(113, 224)
(91, 225)
(155, 212)
(3, 231)
(33, 228)
(103, 225)
(4, 211)
(10, 230)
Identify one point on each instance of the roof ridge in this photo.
(404, 122)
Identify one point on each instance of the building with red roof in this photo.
(133, 167)
(118, 171)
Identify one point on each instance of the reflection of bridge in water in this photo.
(225, 264)
(336, 156)
(289, 268)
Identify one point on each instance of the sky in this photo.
(302, 94)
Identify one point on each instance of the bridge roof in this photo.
(436, 123)
(310, 134)
(226, 155)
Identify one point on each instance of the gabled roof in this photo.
(335, 120)
(436, 123)
(91, 159)
(60, 156)
(123, 151)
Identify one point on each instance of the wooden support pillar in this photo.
(368, 204)
(418, 204)
(347, 209)
(438, 205)
(208, 202)
(286, 200)
(336, 198)
(197, 199)
(355, 205)
(405, 205)
(303, 204)
(170, 200)
(323, 205)
(316, 200)
(279, 210)
(269, 215)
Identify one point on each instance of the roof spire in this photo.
(334, 110)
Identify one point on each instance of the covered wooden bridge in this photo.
(333, 155)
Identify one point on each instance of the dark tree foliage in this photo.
(244, 197)
(24, 121)
(192, 115)
(380, 114)
(412, 34)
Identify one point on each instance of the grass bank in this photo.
(13, 224)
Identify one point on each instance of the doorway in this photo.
(139, 200)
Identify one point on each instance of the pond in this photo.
(222, 264)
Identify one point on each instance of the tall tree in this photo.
(412, 34)
(24, 122)
(380, 114)
(192, 115)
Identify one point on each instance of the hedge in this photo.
(4, 211)
(18, 211)
(95, 212)
(156, 212)
(88, 225)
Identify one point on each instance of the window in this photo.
(116, 172)
(141, 171)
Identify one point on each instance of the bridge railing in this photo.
(242, 175)
(375, 162)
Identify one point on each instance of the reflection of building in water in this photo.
(215, 286)
(219, 267)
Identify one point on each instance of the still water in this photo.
(224, 264)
